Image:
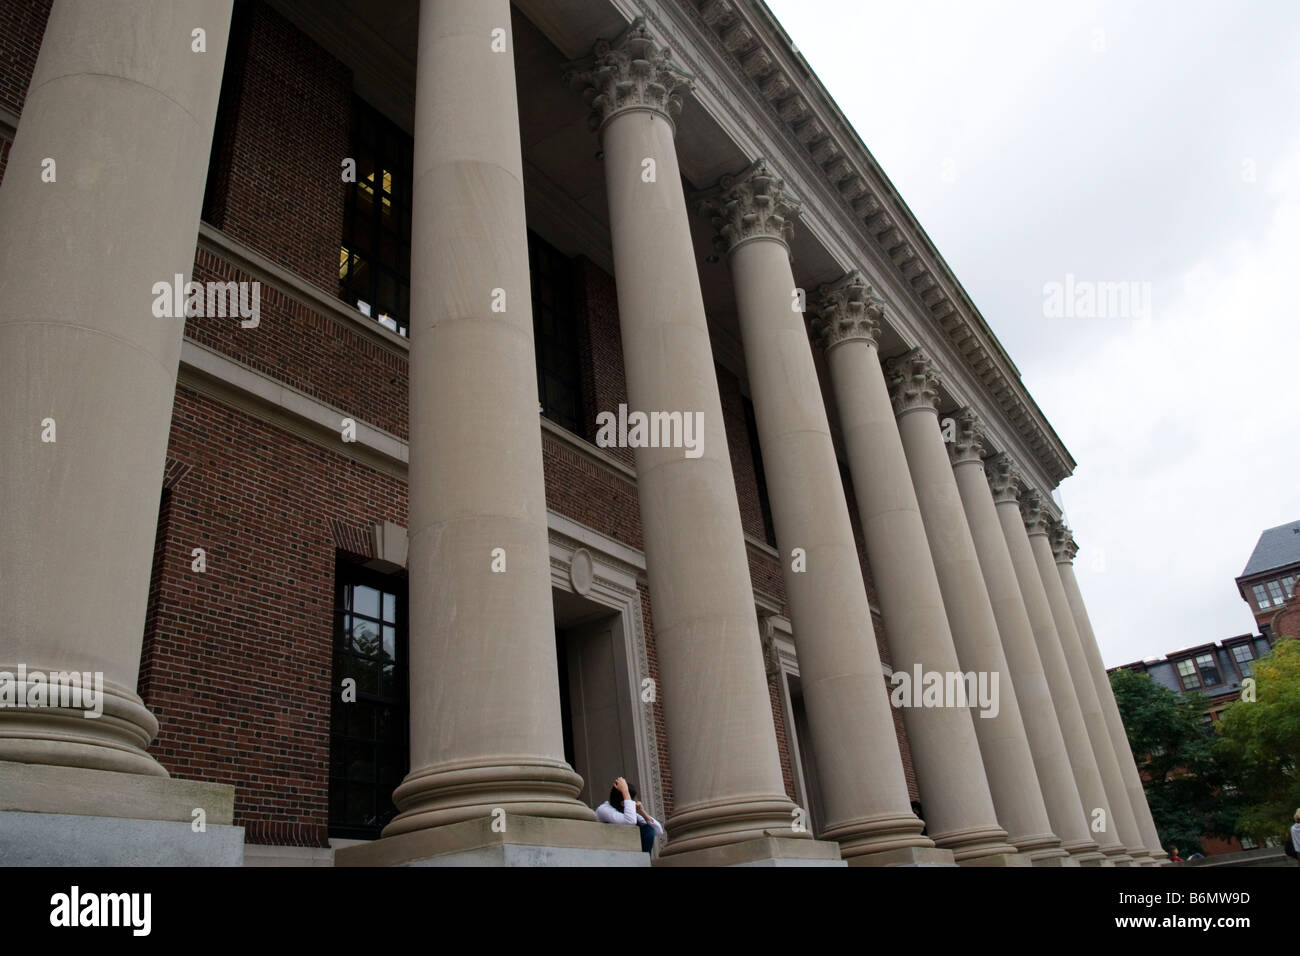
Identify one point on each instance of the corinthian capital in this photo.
(751, 204)
(968, 445)
(1003, 477)
(1037, 519)
(1063, 544)
(913, 383)
(847, 309)
(631, 72)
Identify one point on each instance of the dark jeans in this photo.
(647, 836)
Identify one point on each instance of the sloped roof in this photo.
(1277, 547)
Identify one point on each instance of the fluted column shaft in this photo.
(945, 750)
(1116, 795)
(864, 790)
(727, 782)
(1065, 551)
(485, 707)
(1004, 745)
(123, 107)
(1043, 729)
(1065, 699)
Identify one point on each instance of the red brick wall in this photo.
(283, 135)
(315, 354)
(22, 24)
(237, 660)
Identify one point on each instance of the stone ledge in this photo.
(762, 851)
(475, 842)
(67, 839)
(45, 788)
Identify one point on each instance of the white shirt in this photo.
(605, 813)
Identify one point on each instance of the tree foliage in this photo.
(1259, 744)
(1175, 753)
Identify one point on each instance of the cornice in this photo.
(746, 36)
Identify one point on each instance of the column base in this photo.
(761, 851)
(73, 816)
(504, 840)
(1086, 853)
(1043, 850)
(906, 856)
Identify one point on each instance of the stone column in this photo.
(1038, 525)
(867, 807)
(998, 724)
(1004, 482)
(727, 781)
(1046, 742)
(945, 751)
(485, 706)
(101, 201)
(1064, 548)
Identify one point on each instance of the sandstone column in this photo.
(1004, 482)
(485, 709)
(1064, 548)
(727, 779)
(119, 117)
(954, 788)
(865, 792)
(1037, 525)
(1046, 742)
(1004, 746)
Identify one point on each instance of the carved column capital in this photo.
(1003, 477)
(968, 445)
(631, 72)
(1032, 509)
(845, 310)
(1063, 544)
(913, 382)
(750, 204)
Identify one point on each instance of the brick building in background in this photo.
(279, 587)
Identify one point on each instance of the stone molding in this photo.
(1064, 547)
(845, 310)
(631, 72)
(750, 204)
(968, 445)
(913, 382)
(1037, 518)
(1003, 477)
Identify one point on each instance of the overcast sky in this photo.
(1147, 142)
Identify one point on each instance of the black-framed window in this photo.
(368, 736)
(1244, 655)
(555, 335)
(1209, 669)
(375, 251)
(760, 478)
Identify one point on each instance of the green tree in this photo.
(1259, 744)
(1175, 753)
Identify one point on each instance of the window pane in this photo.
(366, 601)
(390, 608)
